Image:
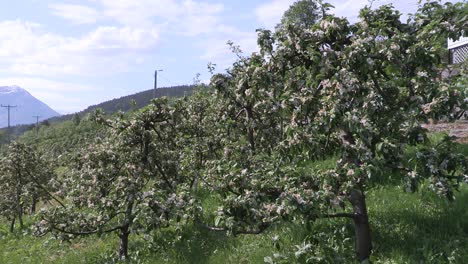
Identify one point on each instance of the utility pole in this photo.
(155, 82)
(9, 107)
(37, 124)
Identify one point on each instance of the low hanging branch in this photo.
(261, 229)
(45, 190)
(87, 232)
(340, 215)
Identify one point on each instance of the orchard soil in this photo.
(458, 129)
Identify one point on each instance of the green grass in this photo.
(24, 248)
(407, 228)
(418, 228)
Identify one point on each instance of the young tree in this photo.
(129, 182)
(24, 181)
(197, 133)
(365, 87)
(302, 13)
(3, 136)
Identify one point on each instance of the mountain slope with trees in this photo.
(124, 104)
(131, 102)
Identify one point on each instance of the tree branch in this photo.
(89, 232)
(85, 233)
(238, 114)
(260, 229)
(45, 190)
(340, 215)
(163, 175)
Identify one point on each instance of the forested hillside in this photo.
(129, 102)
(311, 150)
(125, 103)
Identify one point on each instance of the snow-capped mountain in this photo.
(27, 106)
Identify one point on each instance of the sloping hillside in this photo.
(133, 101)
(124, 104)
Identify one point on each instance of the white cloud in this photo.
(18, 38)
(122, 34)
(217, 51)
(53, 93)
(77, 14)
(42, 85)
(108, 38)
(269, 14)
(140, 24)
(26, 49)
(199, 18)
(186, 17)
(138, 12)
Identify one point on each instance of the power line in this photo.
(9, 107)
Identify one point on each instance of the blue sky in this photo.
(72, 54)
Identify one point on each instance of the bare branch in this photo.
(86, 232)
(340, 215)
(238, 114)
(45, 190)
(260, 229)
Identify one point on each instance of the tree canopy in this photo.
(302, 13)
(25, 180)
(364, 88)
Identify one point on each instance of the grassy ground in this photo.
(406, 227)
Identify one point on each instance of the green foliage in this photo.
(63, 139)
(127, 183)
(302, 13)
(138, 100)
(24, 179)
(445, 168)
(3, 136)
(361, 90)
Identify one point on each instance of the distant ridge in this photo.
(124, 103)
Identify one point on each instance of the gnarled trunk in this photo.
(18, 203)
(19, 208)
(363, 245)
(125, 229)
(33, 204)
(363, 241)
(250, 129)
(123, 248)
(20, 217)
(12, 225)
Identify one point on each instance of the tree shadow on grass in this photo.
(419, 236)
(191, 244)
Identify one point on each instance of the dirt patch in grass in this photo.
(457, 129)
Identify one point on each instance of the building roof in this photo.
(454, 44)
